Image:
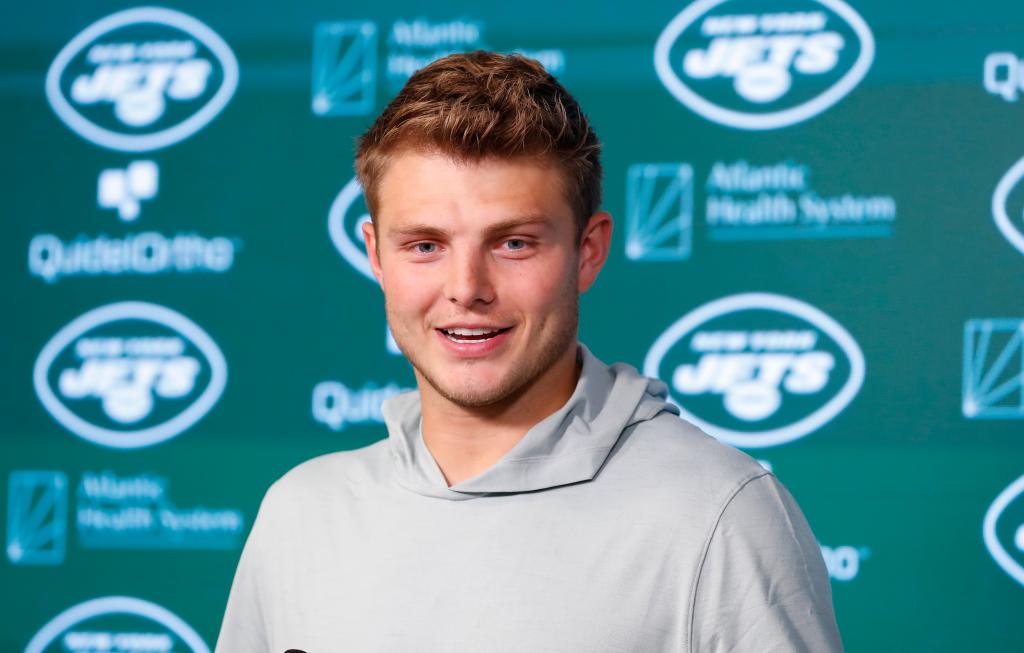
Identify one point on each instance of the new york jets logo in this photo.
(1003, 530)
(142, 79)
(1008, 206)
(129, 375)
(116, 624)
(740, 65)
(345, 222)
(758, 369)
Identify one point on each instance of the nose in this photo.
(469, 280)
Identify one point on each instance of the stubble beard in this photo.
(519, 379)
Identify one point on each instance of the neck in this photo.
(465, 441)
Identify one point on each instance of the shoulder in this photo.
(352, 473)
(672, 453)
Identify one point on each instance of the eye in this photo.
(425, 248)
(515, 243)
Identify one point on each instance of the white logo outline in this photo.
(776, 119)
(779, 303)
(150, 435)
(988, 530)
(142, 142)
(999, 198)
(336, 229)
(115, 605)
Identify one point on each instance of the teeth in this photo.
(470, 332)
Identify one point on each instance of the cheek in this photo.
(546, 287)
(408, 292)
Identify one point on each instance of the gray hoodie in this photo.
(612, 525)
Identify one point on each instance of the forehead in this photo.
(423, 184)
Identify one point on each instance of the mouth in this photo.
(468, 335)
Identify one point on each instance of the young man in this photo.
(528, 497)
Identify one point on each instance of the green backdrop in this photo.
(819, 245)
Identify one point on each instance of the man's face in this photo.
(480, 270)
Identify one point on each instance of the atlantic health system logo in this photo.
(993, 371)
(758, 369)
(740, 65)
(129, 375)
(142, 79)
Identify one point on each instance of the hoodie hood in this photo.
(567, 446)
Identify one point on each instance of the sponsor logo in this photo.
(843, 562)
(142, 79)
(414, 44)
(149, 252)
(136, 512)
(116, 623)
(1004, 75)
(344, 68)
(993, 372)
(742, 202)
(776, 201)
(345, 222)
(1003, 530)
(37, 508)
(659, 211)
(129, 375)
(125, 189)
(338, 406)
(757, 369)
(346, 71)
(1008, 206)
(736, 64)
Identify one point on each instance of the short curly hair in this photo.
(478, 105)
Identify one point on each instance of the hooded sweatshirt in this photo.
(611, 526)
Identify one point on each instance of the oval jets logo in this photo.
(129, 375)
(1003, 530)
(735, 63)
(142, 79)
(1010, 193)
(757, 369)
(116, 623)
(345, 225)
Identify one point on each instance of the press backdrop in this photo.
(819, 245)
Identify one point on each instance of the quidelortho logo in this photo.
(146, 253)
(1003, 530)
(338, 406)
(124, 189)
(116, 623)
(37, 511)
(993, 371)
(1008, 205)
(129, 375)
(142, 79)
(740, 65)
(757, 369)
(1004, 75)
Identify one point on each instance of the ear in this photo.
(594, 247)
(372, 251)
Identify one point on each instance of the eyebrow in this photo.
(426, 231)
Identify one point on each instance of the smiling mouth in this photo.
(469, 336)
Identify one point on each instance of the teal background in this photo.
(901, 474)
